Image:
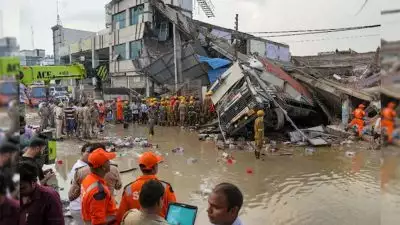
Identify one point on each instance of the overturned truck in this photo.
(258, 84)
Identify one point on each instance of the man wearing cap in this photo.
(98, 204)
(148, 164)
(81, 169)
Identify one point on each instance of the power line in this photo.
(317, 30)
(322, 32)
(328, 39)
(393, 11)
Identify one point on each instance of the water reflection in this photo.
(326, 187)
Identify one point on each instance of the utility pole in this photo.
(237, 22)
(236, 41)
(175, 59)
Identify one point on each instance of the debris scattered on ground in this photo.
(178, 150)
(310, 151)
(191, 161)
(348, 142)
(350, 154)
(129, 141)
(249, 171)
(177, 173)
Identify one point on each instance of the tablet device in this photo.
(181, 214)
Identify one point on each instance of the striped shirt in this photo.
(69, 113)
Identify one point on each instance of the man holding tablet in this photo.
(148, 164)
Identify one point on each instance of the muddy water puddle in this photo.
(325, 187)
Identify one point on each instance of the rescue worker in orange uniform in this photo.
(102, 116)
(120, 110)
(388, 116)
(358, 120)
(148, 164)
(98, 204)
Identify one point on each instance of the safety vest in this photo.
(359, 113)
(130, 196)
(388, 114)
(96, 196)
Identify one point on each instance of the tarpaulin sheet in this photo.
(214, 63)
(213, 75)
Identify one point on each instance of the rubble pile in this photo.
(128, 142)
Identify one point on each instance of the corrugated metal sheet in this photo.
(228, 79)
(163, 69)
(277, 71)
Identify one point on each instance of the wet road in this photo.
(326, 187)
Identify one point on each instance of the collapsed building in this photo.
(155, 47)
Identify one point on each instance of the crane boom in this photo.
(45, 74)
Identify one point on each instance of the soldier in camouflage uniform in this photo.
(44, 114)
(176, 113)
(86, 121)
(79, 125)
(94, 117)
(152, 118)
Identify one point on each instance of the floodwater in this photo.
(326, 187)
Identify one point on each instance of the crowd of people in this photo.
(144, 201)
(83, 120)
(27, 198)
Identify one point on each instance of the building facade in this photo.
(138, 45)
(9, 46)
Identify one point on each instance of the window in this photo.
(136, 13)
(120, 50)
(135, 49)
(119, 18)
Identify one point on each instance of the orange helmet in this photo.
(361, 106)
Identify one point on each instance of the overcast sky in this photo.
(254, 15)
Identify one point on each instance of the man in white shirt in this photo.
(75, 205)
(224, 205)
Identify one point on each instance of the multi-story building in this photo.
(35, 57)
(138, 44)
(9, 46)
(31, 57)
(62, 38)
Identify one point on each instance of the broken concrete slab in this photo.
(338, 131)
(317, 142)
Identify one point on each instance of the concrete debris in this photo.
(191, 161)
(350, 154)
(178, 150)
(128, 142)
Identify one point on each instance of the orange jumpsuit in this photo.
(102, 115)
(358, 120)
(130, 196)
(98, 205)
(120, 110)
(388, 115)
